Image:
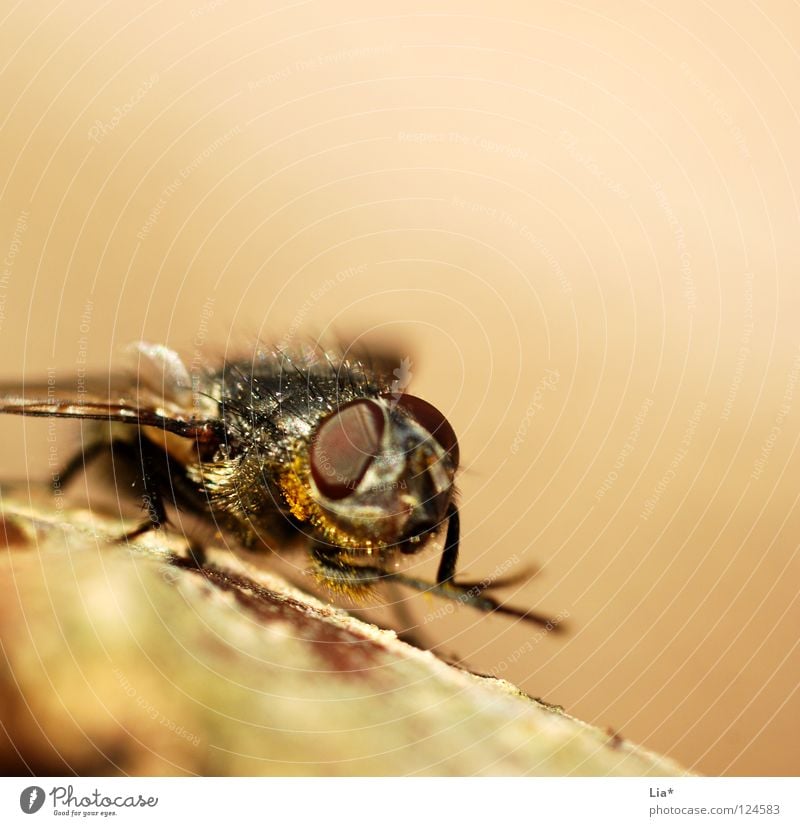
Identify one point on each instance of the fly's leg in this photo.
(469, 593)
(338, 574)
(355, 581)
(447, 564)
(139, 459)
(153, 501)
(472, 594)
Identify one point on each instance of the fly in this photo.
(280, 447)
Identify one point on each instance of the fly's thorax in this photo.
(372, 476)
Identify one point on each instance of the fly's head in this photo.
(378, 474)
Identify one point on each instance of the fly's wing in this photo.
(133, 397)
(86, 407)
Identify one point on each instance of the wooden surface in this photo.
(117, 660)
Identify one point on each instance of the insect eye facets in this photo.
(433, 421)
(344, 447)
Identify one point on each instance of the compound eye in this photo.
(344, 447)
(433, 421)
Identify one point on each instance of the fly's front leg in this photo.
(356, 581)
(447, 565)
(336, 573)
(467, 593)
(472, 594)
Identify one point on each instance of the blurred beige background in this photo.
(579, 221)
